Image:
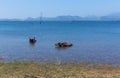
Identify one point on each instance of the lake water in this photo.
(93, 42)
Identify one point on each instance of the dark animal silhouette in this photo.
(32, 40)
(63, 44)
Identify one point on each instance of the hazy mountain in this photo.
(115, 16)
(111, 17)
(63, 18)
(10, 20)
(67, 18)
(91, 18)
(59, 18)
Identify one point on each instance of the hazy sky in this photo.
(50, 8)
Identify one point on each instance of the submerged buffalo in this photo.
(32, 40)
(63, 44)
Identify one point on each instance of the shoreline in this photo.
(51, 70)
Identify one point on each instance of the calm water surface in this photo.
(94, 42)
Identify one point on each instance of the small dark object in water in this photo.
(63, 44)
(32, 40)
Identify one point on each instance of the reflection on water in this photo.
(32, 44)
(61, 48)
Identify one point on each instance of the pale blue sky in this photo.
(51, 8)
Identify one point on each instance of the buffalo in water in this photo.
(63, 44)
(32, 40)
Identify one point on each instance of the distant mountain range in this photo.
(63, 18)
(111, 17)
